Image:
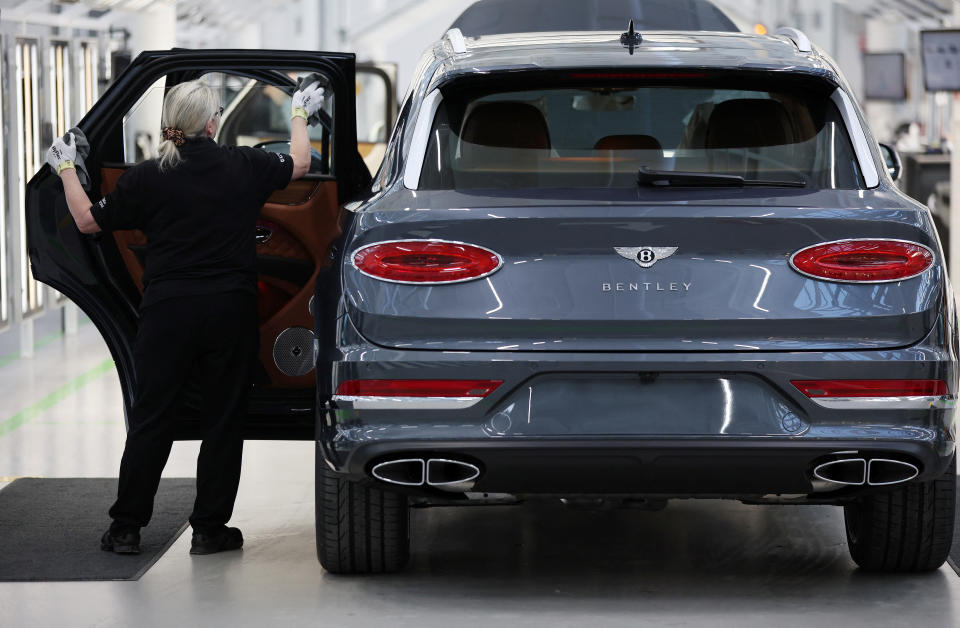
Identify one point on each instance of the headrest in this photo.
(628, 142)
(506, 125)
(749, 122)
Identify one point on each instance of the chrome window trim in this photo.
(937, 402)
(864, 281)
(861, 145)
(426, 283)
(421, 137)
(408, 403)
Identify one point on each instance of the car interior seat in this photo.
(652, 157)
(491, 127)
(746, 123)
(506, 125)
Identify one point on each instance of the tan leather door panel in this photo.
(303, 221)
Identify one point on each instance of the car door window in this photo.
(255, 113)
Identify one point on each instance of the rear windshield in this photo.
(599, 134)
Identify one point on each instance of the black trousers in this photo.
(219, 334)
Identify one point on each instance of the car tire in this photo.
(360, 529)
(909, 529)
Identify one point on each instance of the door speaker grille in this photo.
(293, 351)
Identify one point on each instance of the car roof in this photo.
(547, 50)
(489, 17)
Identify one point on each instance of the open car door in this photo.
(102, 273)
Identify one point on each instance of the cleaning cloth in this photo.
(83, 151)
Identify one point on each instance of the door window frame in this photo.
(178, 66)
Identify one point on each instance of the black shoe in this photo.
(221, 540)
(120, 542)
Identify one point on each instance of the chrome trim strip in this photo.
(916, 471)
(426, 283)
(421, 137)
(862, 461)
(799, 38)
(806, 274)
(475, 469)
(423, 472)
(408, 403)
(886, 403)
(860, 143)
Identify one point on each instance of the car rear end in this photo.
(644, 283)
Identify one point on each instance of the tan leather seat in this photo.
(506, 125)
(652, 158)
(749, 123)
(628, 142)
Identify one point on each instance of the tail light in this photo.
(418, 387)
(832, 388)
(426, 261)
(863, 261)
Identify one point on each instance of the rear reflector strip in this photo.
(877, 394)
(871, 387)
(418, 387)
(414, 394)
(407, 403)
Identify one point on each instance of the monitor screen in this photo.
(941, 60)
(884, 76)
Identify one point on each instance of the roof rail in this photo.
(455, 37)
(799, 38)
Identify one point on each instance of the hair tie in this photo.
(174, 135)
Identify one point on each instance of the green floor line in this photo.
(39, 344)
(18, 419)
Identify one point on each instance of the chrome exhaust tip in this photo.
(884, 471)
(847, 471)
(451, 475)
(404, 472)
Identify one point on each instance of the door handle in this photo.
(263, 235)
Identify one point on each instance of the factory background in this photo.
(58, 56)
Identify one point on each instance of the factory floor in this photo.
(696, 563)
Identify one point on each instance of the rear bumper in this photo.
(695, 423)
(667, 467)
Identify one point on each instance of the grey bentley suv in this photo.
(606, 267)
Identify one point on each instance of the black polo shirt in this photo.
(199, 218)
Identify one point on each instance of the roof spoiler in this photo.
(455, 37)
(797, 36)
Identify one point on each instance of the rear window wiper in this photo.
(673, 178)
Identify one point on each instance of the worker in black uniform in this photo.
(198, 205)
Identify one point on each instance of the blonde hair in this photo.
(187, 107)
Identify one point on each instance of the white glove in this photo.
(307, 101)
(62, 154)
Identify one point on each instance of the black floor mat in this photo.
(50, 529)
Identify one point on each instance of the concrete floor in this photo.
(705, 563)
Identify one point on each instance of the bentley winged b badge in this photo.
(646, 256)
